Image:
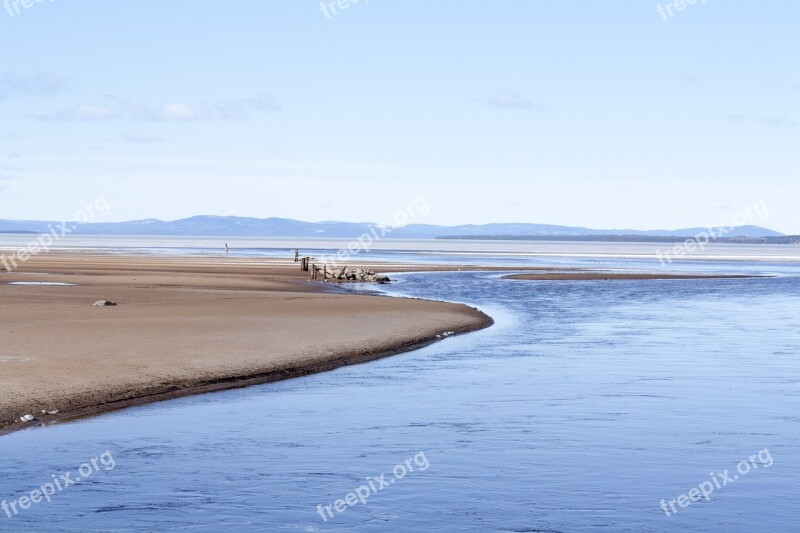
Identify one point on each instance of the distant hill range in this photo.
(219, 226)
(784, 239)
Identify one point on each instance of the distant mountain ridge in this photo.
(231, 226)
(738, 239)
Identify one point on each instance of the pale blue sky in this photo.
(588, 113)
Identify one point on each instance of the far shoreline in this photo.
(609, 276)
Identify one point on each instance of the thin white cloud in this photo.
(513, 100)
(42, 83)
(182, 112)
(177, 111)
(770, 121)
(4, 178)
(139, 137)
(227, 110)
(83, 112)
(174, 111)
(262, 102)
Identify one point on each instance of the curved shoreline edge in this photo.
(320, 365)
(187, 326)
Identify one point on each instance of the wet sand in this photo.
(186, 325)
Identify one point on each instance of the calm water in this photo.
(581, 409)
(417, 250)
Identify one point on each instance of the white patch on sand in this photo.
(47, 283)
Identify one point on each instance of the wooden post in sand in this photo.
(313, 271)
(324, 271)
(341, 273)
(296, 255)
(304, 264)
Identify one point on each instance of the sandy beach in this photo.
(186, 325)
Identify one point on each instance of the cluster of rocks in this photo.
(361, 275)
(338, 274)
(365, 276)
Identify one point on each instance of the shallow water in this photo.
(581, 409)
(419, 250)
(41, 283)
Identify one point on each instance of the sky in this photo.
(585, 113)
